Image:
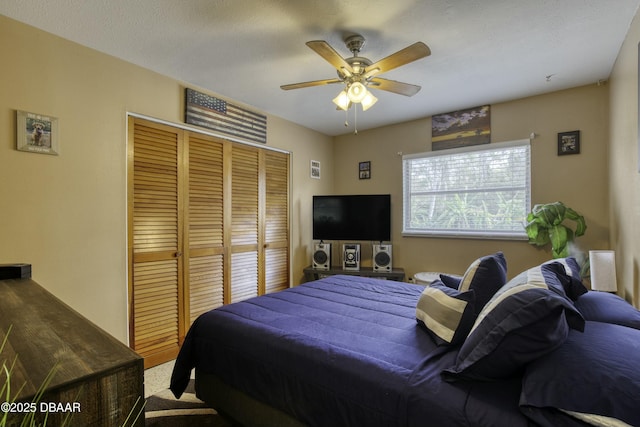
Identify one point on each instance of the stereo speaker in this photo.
(322, 256)
(382, 257)
(351, 256)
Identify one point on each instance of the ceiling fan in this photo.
(358, 73)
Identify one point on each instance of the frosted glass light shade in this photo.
(603, 271)
(342, 101)
(368, 101)
(357, 92)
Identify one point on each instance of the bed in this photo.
(474, 350)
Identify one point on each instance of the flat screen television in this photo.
(355, 217)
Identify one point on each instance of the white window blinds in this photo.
(481, 191)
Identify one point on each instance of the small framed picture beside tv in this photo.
(569, 143)
(364, 170)
(365, 217)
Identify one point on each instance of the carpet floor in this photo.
(164, 410)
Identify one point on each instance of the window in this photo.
(479, 191)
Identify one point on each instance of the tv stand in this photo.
(396, 274)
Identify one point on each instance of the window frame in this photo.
(466, 234)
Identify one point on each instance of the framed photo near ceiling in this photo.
(569, 143)
(37, 133)
(461, 128)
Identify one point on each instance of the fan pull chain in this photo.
(355, 119)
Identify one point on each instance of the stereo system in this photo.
(351, 256)
(381, 257)
(322, 256)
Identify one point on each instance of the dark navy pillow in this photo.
(592, 374)
(608, 308)
(547, 275)
(571, 266)
(485, 276)
(572, 287)
(451, 280)
(523, 321)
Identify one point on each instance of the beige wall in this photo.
(66, 214)
(624, 164)
(578, 180)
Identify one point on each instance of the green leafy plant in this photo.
(546, 224)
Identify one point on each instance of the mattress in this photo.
(341, 351)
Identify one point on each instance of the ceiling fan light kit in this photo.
(360, 95)
(357, 73)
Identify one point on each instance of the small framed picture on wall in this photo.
(315, 169)
(569, 143)
(364, 170)
(37, 133)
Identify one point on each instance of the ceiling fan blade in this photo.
(330, 55)
(400, 88)
(310, 84)
(409, 54)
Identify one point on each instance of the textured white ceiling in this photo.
(483, 52)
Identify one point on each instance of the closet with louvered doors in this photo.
(208, 225)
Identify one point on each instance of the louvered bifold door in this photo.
(155, 240)
(205, 226)
(244, 223)
(276, 234)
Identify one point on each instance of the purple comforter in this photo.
(341, 351)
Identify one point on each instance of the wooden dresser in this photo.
(98, 380)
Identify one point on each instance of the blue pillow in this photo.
(608, 308)
(547, 276)
(484, 276)
(446, 313)
(558, 280)
(522, 322)
(593, 373)
(570, 264)
(568, 272)
(451, 280)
